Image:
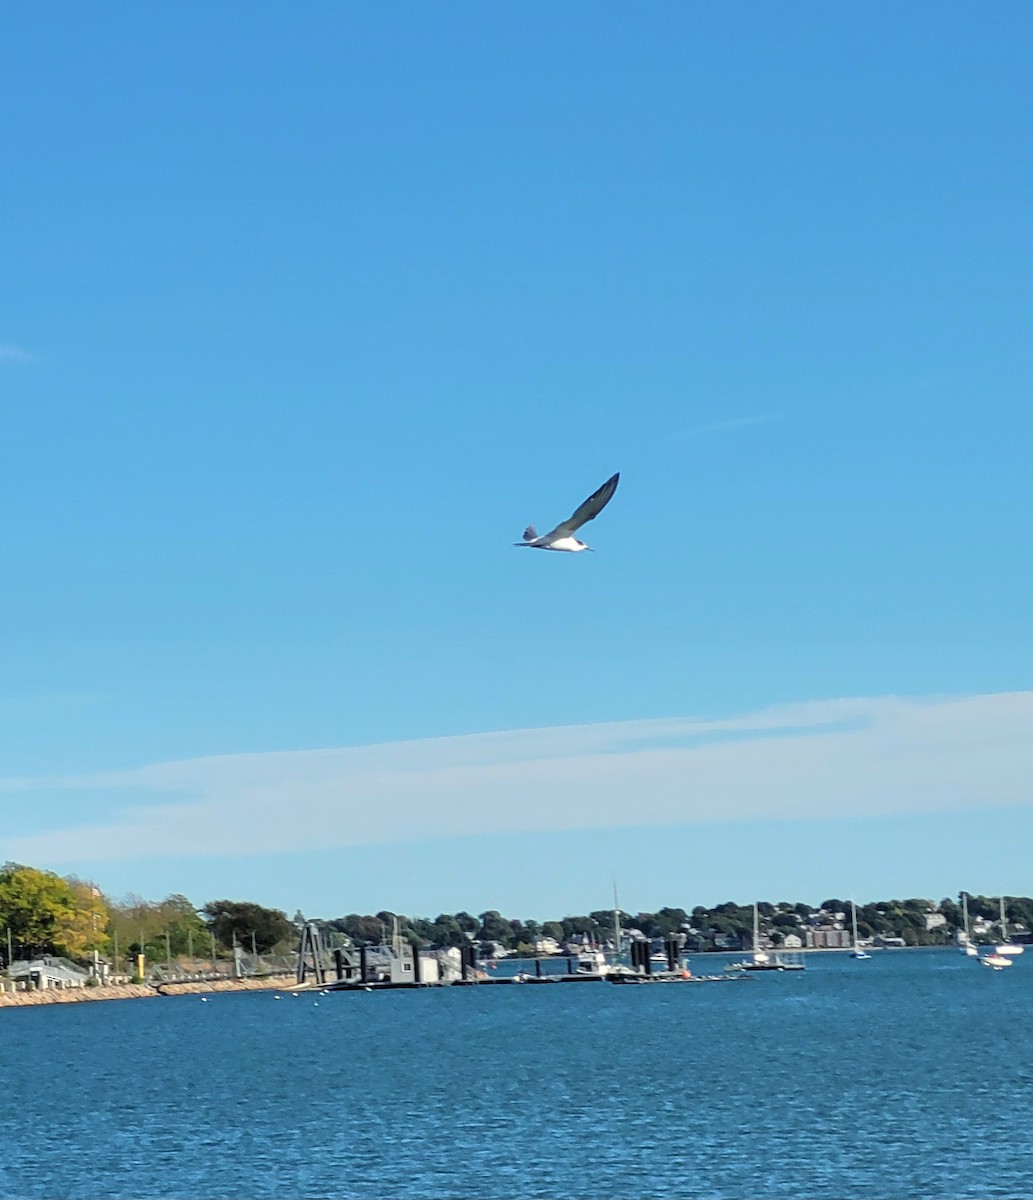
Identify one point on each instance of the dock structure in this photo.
(311, 955)
(404, 966)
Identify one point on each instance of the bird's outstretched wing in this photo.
(591, 508)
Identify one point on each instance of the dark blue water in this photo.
(905, 1076)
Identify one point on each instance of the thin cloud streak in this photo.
(862, 757)
(15, 354)
(732, 423)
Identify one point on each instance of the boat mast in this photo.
(1004, 925)
(616, 927)
(756, 928)
(964, 915)
(853, 921)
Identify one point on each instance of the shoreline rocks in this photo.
(140, 991)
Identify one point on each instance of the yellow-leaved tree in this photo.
(85, 928)
(46, 914)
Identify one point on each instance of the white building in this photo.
(45, 973)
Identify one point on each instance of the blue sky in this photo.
(305, 315)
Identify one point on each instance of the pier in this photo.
(402, 966)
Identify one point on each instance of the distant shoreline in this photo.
(144, 991)
(140, 991)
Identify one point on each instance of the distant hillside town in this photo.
(726, 927)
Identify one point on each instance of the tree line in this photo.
(42, 913)
(701, 929)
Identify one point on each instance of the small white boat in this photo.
(995, 962)
(593, 962)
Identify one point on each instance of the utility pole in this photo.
(115, 953)
(211, 934)
(10, 948)
(190, 944)
(168, 948)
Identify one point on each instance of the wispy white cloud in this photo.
(862, 757)
(731, 423)
(10, 354)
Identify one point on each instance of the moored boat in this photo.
(761, 960)
(968, 948)
(857, 952)
(1007, 947)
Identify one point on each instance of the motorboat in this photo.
(995, 962)
(591, 962)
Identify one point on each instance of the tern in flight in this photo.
(562, 537)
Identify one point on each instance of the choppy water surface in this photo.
(905, 1076)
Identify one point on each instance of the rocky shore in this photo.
(139, 991)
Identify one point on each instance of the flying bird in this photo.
(562, 537)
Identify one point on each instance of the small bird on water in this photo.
(562, 537)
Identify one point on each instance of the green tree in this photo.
(359, 930)
(495, 928)
(586, 927)
(240, 919)
(603, 917)
(140, 926)
(466, 923)
(187, 931)
(443, 931)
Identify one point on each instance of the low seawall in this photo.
(140, 991)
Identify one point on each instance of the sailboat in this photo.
(968, 948)
(760, 960)
(1006, 947)
(857, 952)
